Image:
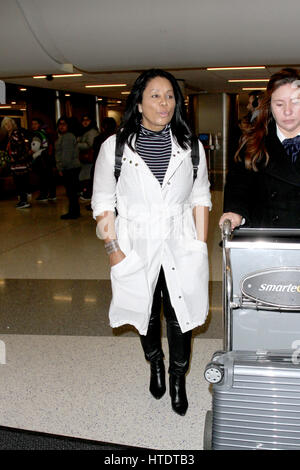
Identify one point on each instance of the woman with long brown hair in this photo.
(263, 185)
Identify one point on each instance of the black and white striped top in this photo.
(155, 148)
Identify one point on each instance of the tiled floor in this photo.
(63, 369)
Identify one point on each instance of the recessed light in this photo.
(60, 75)
(68, 75)
(64, 298)
(253, 88)
(237, 68)
(249, 80)
(107, 85)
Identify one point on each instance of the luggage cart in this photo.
(256, 378)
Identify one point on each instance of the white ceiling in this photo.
(111, 41)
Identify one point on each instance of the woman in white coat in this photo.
(157, 243)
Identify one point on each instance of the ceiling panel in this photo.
(112, 41)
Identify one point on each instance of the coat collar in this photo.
(280, 165)
(178, 154)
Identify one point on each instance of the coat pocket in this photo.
(197, 245)
(129, 284)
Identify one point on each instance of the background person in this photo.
(263, 186)
(108, 128)
(254, 101)
(68, 166)
(156, 246)
(19, 160)
(86, 155)
(42, 163)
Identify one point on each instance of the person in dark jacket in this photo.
(263, 186)
(43, 162)
(85, 146)
(68, 165)
(19, 159)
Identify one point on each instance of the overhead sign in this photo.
(278, 287)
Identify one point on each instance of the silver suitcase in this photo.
(256, 378)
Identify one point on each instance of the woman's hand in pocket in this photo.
(116, 257)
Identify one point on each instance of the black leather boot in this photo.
(157, 378)
(180, 351)
(178, 394)
(151, 344)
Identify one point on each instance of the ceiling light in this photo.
(107, 85)
(90, 299)
(237, 68)
(125, 92)
(60, 75)
(250, 80)
(68, 75)
(23, 89)
(4, 106)
(64, 298)
(252, 88)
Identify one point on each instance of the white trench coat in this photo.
(155, 227)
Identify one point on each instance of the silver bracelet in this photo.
(111, 246)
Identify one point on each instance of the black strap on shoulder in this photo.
(118, 157)
(195, 155)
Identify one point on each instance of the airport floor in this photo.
(63, 370)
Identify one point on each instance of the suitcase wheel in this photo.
(213, 373)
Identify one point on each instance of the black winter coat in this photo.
(269, 197)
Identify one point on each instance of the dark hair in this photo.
(256, 95)
(62, 118)
(39, 120)
(109, 125)
(68, 121)
(132, 117)
(253, 138)
(92, 124)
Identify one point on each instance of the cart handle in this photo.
(227, 286)
(226, 229)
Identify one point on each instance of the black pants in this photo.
(43, 167)
(71, 183)
(21, 180)
(179, 343)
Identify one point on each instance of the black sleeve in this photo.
(238, 192)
